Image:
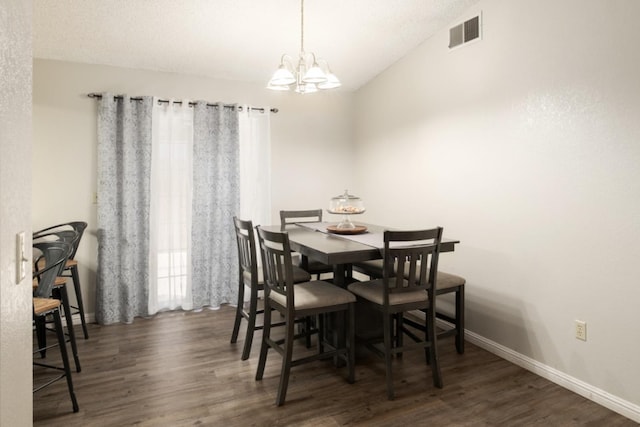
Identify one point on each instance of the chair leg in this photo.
(78, 290)
(387, 354)
(433, 347)
(239, 307)
(266, 336)
(307, 331)
(41, 334)
(236, 325)
(64, 296)
(460, 320)
(65, 358)
(321, 332)
(350, 342)
(398, 333)
(427, 336)
(251, 325)
(286, 361)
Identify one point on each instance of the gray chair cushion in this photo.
(444, 280)
(374, 292)
(448, 280)
(314, 295)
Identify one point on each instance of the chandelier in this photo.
(308, 76)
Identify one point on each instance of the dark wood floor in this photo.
(179, 369)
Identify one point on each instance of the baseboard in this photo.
(89, 317)
(575, 385)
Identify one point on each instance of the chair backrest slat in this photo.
(292, 217)
(413, 255)
(277, 266)
(246, 248)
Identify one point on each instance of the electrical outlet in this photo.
(581, 330)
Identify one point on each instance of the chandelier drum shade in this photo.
(309, 74)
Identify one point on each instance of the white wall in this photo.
(525, 147)
(16, 311)
(311, 141)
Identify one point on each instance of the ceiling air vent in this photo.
(465, 32)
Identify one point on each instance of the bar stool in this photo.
(51, 256)
(445, 283)
(59, 288)
(314, 298)
(71, 266)
(251, 276)
(405, 255)
(311, 215)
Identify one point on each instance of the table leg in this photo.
(342, 275)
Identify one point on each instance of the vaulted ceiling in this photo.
(238, 39)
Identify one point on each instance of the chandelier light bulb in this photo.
(282, 76)
(314, 75)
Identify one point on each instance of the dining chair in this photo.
(313, 298)
(288, 218)
(251, 276)
(446, 283)
(51, 256)
(412, 253)
(71, 267)
(59, 288)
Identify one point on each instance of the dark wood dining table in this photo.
(341, 251)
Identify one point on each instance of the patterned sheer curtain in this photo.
(216, 199)
(195, 193)
(169, 185)
(124, 165)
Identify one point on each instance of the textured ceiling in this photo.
(238, 39)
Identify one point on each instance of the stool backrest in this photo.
(49, 259)
(77, 226)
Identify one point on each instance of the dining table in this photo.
(315, 241)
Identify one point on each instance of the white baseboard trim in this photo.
(89, 317)
(575, 385)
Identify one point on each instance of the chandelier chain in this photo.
(301, 25)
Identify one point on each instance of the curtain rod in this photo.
(98, 96)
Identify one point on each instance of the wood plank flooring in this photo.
(179, 369)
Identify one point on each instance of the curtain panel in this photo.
(255, 165)
(171, 194)
(124, 163)
(216, 199)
